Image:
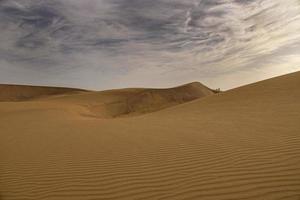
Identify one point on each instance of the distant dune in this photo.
(110, 103)
(149, 100)
(24, 92)
(180, 143)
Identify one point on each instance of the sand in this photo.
(239, 144)
(23, 92)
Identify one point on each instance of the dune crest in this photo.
(26, 92)
(150, 100)
(133, 101)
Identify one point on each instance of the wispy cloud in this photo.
(119, 43)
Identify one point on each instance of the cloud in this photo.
(103, 44)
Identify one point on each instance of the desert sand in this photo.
(187, 142)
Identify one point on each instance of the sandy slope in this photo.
(124, 102)
(23, 92)
(240, 144)
(108, 104)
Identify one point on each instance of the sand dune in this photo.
(133, 101)
(24, 92)
(239, 144)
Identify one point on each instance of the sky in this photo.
(105, 44)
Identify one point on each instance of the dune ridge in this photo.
(242, 144)
(134, 101)
(156, 99)
(26, 92)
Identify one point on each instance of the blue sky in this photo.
(103, 44)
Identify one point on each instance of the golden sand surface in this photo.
(180, 143)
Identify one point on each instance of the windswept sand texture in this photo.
(239, 144)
